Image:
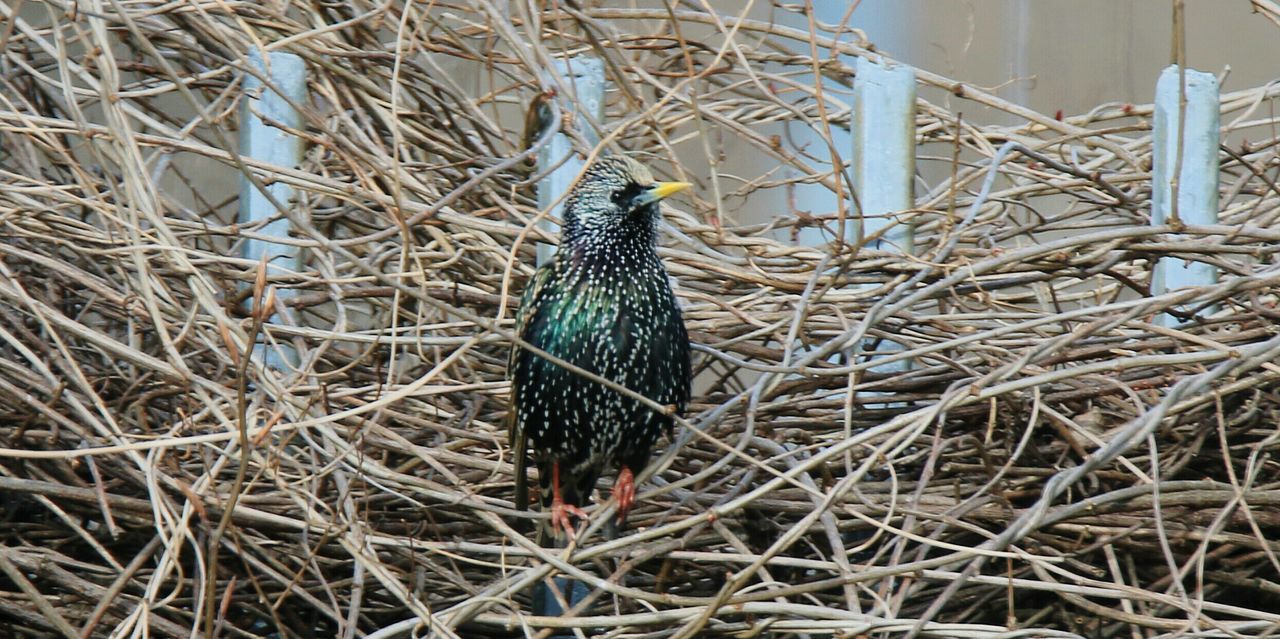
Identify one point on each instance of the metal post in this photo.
(546, 602)
(884, 160)
(884, 150)
(584, 75)
(1196, 179)
(261, 138)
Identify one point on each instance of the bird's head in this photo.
(616, 197)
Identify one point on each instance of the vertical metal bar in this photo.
(584, 76)
(546, 602)
(1186, 175)
(262, 115)
(884, 150)
(884, 161)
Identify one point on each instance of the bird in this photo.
(603, 303)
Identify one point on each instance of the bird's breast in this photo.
(614, 320)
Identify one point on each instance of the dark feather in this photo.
(515, 430)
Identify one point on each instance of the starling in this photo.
(602, 303)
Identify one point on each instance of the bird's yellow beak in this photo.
(663, 190)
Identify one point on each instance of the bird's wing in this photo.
(675, 344)
(684, 365)
(519, 442)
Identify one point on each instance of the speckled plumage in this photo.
(603, 303)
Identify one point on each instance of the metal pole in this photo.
(1186, 175)
(584, 75)
(262, 115)
(884, 160)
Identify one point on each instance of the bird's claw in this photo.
(624, 490)
(561, 520)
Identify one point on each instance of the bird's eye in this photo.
(623, 197)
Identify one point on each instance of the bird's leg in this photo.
(625, 491)
(560, 511)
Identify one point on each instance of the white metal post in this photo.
(1193, 177)
(884, 161)
(584, 75)
(262, 115)
(884, 150)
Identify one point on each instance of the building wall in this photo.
(1048, 56)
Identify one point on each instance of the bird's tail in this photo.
(519, 444)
